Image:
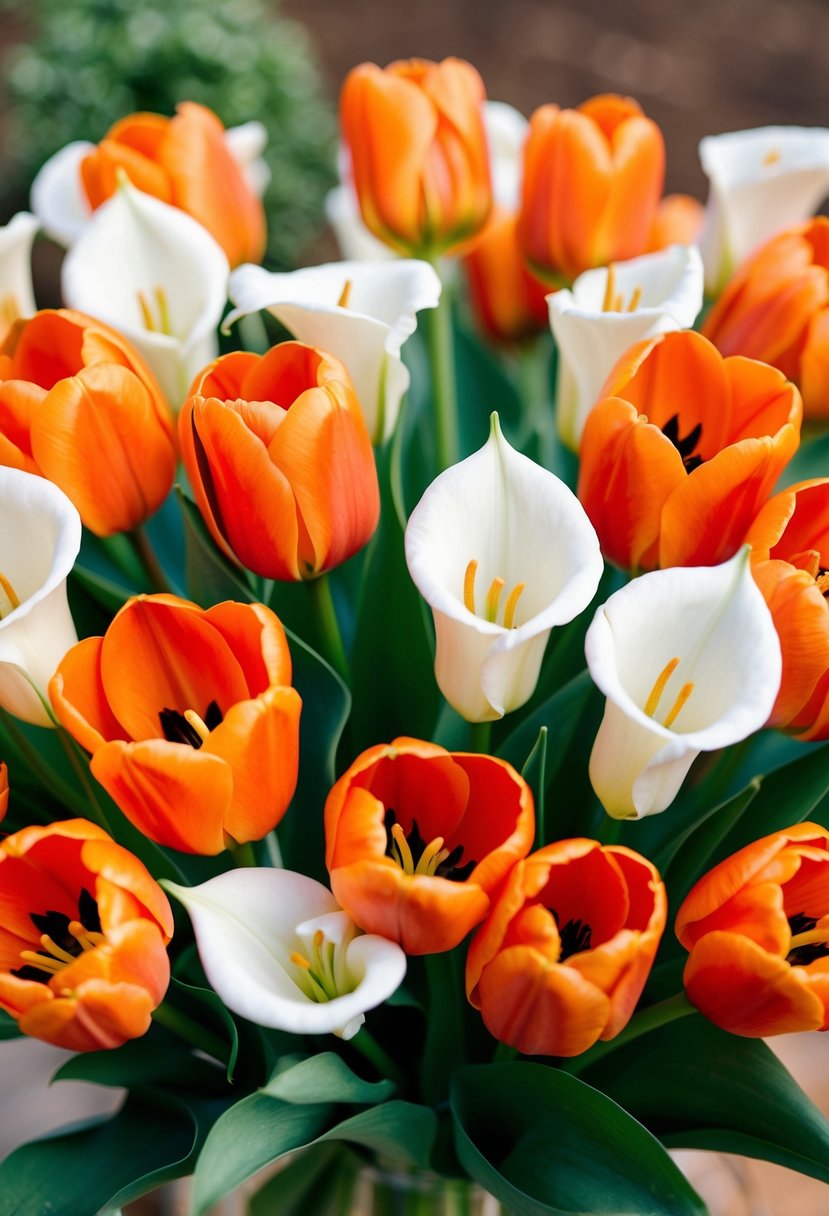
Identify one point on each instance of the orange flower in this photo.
(509, 302)
(418, 840)
(190, 719)
(280, 460)
(565, 952)
(83, 934)
(790, 560)
(683, 450)
(184, 161)
(592, 183)
(4, 790)
(776, 308)
(757, 928)
(80, 407)
(419, 158)
(678, 221)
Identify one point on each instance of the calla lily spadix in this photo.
(501, 551)
(16, 293)
(158, 277)
(607, 311)
(689, 661)
(362, 312)
(279, 950)
(41, 539)
(761, 181)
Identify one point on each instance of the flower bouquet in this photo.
(421, 805)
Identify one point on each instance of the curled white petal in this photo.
(41, 539)
(57, 197)
(247, 144)
(17, 296)
(714, 620)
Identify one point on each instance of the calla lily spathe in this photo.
(761, 181)
(362, 312)
(17, 297)
(158, 277)
(607, 311)
(689, 661)
(279, 951)
(41, 539)
(501, 551)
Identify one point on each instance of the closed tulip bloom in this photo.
(682, 451)
(509, 302)
(419, 159)
(757, 928)
(678, 221)
(592, 183)
(280, 460)
(790, 556)
(190, 718)
(565, 952)
(776, 308)
(80, 407)
(83, 935)
(418, 840)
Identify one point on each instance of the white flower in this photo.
(279, 951)
(17, 297)
(607, 311)
(761, 181)
(247, 143)
(501, 551)
(689, 661)
(354, 240)
(362, 312)
(41, 537)
(158, 277)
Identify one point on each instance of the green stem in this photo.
(81, 769)
(190, 1030)
(610, 829)
(537, 413)
(244, 855)
(444, 1048)
(273, 850)
(378, 1057)
(645, 1020)
(504, 1053)
(437, 323)
(480, 734)
(322, 600)
(140, 542)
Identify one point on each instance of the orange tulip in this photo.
(184, 161)
(509, 302)
(80, 407)
(83, 934)
(592, 183)
(682, 451)
(280, 460)
(776, 308)
(790, 562)
(4, 790)
(757, 928)
(418, 840)
(678, 221)
(565, 952)
(419, 157)
(190, 718)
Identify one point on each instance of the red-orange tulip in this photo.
(509, 302)
(280, 460)
(678, 221)
(186, 162)
(83, 933)
(4, 790)
(592, 183)
(565, 952)
(757, 928)
(776, 308)
(790, 562)
(80, 407)
(190, 718)
(419, 839)
(419, 157)
(682, 451)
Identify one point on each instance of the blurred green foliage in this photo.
(89, 62)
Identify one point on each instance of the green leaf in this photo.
(534, 773)
(209, 1008)
(317, 1183)
(210, 576)
(325, 1078)
(696, 1086)
(810, 460)
(401, 1131)
(141, 1063)
(8, 1027)
(544, 1143)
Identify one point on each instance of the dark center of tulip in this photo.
(179, 728)
(415, 855)
(575, 936)
(62, 938)
(685, 446)
(805, 952)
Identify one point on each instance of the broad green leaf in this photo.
(534, 773)
(207, 1007)
(401, 1131)
(325, 1078)
(8, 1026)
(810, 460)
(318, 1182)
(143, 1062)
(544, 1144)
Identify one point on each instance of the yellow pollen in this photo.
(659, 687)
(469, 586)
(493, 599)
(345, 295)
(812, 937)
(511, 604)
(87, 939)
(9, 599)
(635, 299)
(42, 961)
(197, 723)
(299, 960)
(684, 693)
(403, 850)
(429, 857)
(159, 324)
(609, 289)
(51, 947)
(772, 156)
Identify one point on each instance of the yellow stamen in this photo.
(299, 960)
(609, 289)
(7, 593)
(87, 939)
(772, 156)
(635, 299)
(163, 311)
(197, 723)
(511, 604)
(404, 852)
(617, 303)
(9, 310)
(469, 586)
(684, 693)
(493, 599)
(146, 312)
(155, 324)
(42, 961)
(808, 560)
(823, 584)
(659, 687)
(428, 862)
(51, 947)
(345, 295)
(811, 938)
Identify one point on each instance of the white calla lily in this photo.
(502, 522)
(362, 312)
(17, 297)
(607, 311)
(761, 181)
(158, 277)
(279, 950)
(41, 537)
(689, 661)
